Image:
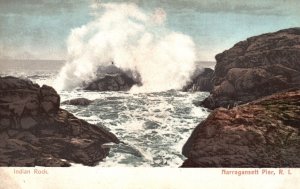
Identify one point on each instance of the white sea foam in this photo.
(155, 124)
(134, 40)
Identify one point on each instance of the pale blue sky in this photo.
(38, 29)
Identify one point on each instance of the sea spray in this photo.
(134, 40)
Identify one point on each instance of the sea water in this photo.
(152, 126)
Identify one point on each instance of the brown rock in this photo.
(32, 105)
(50, 161)
(25, 136)
(27, 123)
(47, 106)
(4, 123)
(12, 133)
(50, 100)
(4, 135)
(263, 133)
(34, 131)
(256, 67)
(201, 81)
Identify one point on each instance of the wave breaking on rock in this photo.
(133, 40)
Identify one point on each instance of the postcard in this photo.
(149, 94)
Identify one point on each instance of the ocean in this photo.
(153, 126)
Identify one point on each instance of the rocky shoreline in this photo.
(34, 131)
(256, 102)
(257, 67)
(255, 122)
(263, 133)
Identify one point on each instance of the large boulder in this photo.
(256, 67)
(34, 131)
(202, 81)
(111, 82)
(263, 133)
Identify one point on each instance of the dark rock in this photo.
(34, 131)
(50, 100)
(257, 67)
(113, 82)
(263, 133)
(116, 81)
(27, 123)
(202, 81)
(4, 123)
(78, 102)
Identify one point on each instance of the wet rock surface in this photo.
(111, 82)
(256, 67)
(263, 133)
(34, 131)
(78, 102)
(201, 81)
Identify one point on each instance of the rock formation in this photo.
(201, 81)
(263, 133)
(34, 131)
(78, 102)
(256, 67)
(111, 82)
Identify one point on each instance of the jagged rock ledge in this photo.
(263, 133)
(256, 67)
(34, 131)
(201, 81)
